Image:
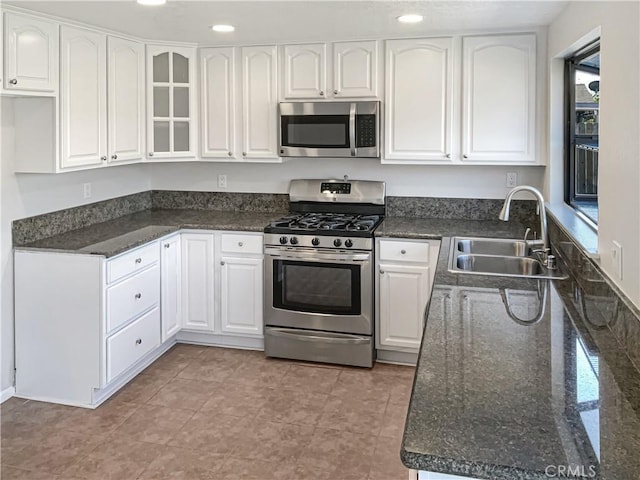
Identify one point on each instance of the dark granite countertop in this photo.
(119, 235)
(435, 228)
(496, 398)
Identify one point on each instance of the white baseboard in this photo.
(7, 393)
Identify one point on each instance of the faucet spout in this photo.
(504, 213)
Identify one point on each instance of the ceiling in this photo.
(296, 20)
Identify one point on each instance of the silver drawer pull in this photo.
(221, 263)
(138, 296)
(240, 244)
(138, 260)
(139, 341)
(167, 245)
(403, 252)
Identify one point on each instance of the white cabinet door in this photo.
(304, 71)
(171, 102)
(241, 295)
(355, 69)
(259, 104)
(197, 281)
(170, 286)
(419, 96)
(499, 85)
(83, 97)
(31, 54)
(217, 70)
(404, 293)
(126, 100)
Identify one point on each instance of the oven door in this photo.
(319, 290)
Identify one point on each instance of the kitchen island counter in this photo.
(536, 392)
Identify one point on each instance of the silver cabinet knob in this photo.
(403, 251)
(381, 272)
(448, 155)
(114, 157)
(167, 245)
(230, 154)
(240, 244)
(465, 156)
(335, 92)
(139, 341)
(138, 296)
(13, 81)
(222, 263)
(321, 93)
(138, 260)
(103, 158)
(151, 154)
(244, 154)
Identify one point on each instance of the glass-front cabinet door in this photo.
(171, 102)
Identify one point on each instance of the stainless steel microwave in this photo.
(329, 129)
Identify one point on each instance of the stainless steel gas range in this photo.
(319, 302)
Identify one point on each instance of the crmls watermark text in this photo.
(570, 471)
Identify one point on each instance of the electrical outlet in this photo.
(512, 179)
(616, 256)
(86, 190)
(222, 181)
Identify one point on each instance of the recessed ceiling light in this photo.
(151, 2)
(412, 18)
(223, 28)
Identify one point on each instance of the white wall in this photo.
(25, 195)
(402, 180)
(619, 159)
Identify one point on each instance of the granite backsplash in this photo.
(224, 201)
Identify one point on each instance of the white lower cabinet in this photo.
(85, 324)
(241, 295)
(170, 286)
(197, 281)
(403, 284)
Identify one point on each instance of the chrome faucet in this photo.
(544, 234)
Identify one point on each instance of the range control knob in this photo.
(283, 240)
(348, 243)
(293, 241)
(315, 241)
(337, 242)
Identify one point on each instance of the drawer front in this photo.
(133, 296)
(400, 251)
(242, 243)
(132, 343)
(132, 262)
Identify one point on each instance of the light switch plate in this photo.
(86, 190)
(512, 179)
(616, 256)
(222, 181)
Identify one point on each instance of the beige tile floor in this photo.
(219, 414)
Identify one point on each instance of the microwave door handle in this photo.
(352, 129)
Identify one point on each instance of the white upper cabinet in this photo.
(304, 71)
(307, 72)
(419, 100)
(355, 69)
(31, 54)
(259, 103)
(499, 91)
(83, 97)
(171, 102)
(218, 102)
(126, 100)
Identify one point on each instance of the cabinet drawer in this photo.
(132, 343)
(133, 296)
(399, 251)
(132, 262)
(239, 243)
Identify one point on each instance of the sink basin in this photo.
(500, 265)
(497, 257)
(493, 246)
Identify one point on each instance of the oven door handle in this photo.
(311, 256)
(306, 337)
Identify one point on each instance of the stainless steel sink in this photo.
(500, 265)
(493, 246)
(497, 257)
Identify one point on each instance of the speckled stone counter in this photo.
(435, 228)
(116, 236)
(498, 395)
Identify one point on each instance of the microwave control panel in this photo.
(365, 131)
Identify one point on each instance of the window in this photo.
(582, 94)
